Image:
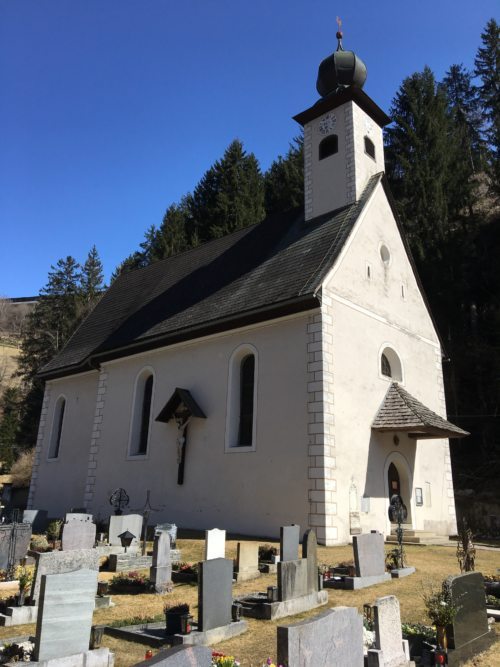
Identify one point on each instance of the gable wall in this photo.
(362, 316)
(252, 492)
(58, 484)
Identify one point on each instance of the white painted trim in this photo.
(217, 336)
(55, 416)
(233, 393)
(141, 457)
(400, 462)
(384, 320)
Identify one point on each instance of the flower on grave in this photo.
(221, 660)
(441, 608)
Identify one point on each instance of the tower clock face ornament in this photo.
(327, 123)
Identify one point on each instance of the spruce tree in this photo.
(9, 425)
(228, 197)
(92, 277)
(487, 69)
(284, 180)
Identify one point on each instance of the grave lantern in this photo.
(181, 407)
(126, 539)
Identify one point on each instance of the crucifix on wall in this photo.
(182, 408)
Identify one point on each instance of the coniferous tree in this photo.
(229, 196)
(284, 180)
(487, 69)
(9, 425)
(92, 278)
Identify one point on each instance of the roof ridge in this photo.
(405, 396)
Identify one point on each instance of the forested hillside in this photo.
(442, 160)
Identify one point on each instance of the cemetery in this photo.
(368, 617)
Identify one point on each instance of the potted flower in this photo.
(441, 609)
(25, 577)
(178, 620)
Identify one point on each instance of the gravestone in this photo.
(78, 516)
(120, 524)
(215, 596)
(78, 534)
(215, 544)
(14, 541)
(471, 621)
(65, 614)
(369, 555)
(289, 542)
(388, 650)
(335, 637)
(180, 656)
(171, 529)
(37, 519)
(310, 551)
(247, 561)
(160, 572)
(292, 579)
(61, 562)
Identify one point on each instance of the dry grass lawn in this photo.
(253, 648)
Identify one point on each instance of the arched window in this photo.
(385, 366)
(390, 365)
(369, 147)
(240, 423)
(57, 426)
(141, 414)
(329, 146)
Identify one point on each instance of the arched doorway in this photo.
(398, 480)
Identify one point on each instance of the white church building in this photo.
(289, 372)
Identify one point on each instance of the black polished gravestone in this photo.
(215, 595)
(289, 542)
(471, 621)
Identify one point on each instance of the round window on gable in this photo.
(390, 365)
(385, 255)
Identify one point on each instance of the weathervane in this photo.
(339, 35)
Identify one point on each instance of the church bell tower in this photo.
(343, 142)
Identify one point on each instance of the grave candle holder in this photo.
(272, 593)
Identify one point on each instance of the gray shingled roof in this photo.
(400, 411)
(257, 273)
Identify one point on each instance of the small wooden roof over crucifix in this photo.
(180, 397)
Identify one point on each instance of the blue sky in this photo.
(113, 109)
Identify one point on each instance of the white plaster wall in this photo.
(253, 492)
(340, 179)
(367, 315)
(60, 482)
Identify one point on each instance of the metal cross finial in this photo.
(119, 499)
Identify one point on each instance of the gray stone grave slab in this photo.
(215, 596)
(471, 621)
(215, 543)
(37, 519)
(292, 579)
(18, 534)
(369, 554)
(121, 523)
(310, 551)
(247, 561)
(65, 614)
(78, 516)
(160, 572)
(332, 638)
(78, 534)
(388, 635)
(60, 562)
(289, 542)
(171, 529)
(180, 656)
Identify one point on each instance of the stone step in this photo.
(419, 537)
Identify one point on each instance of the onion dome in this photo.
(339, 70)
